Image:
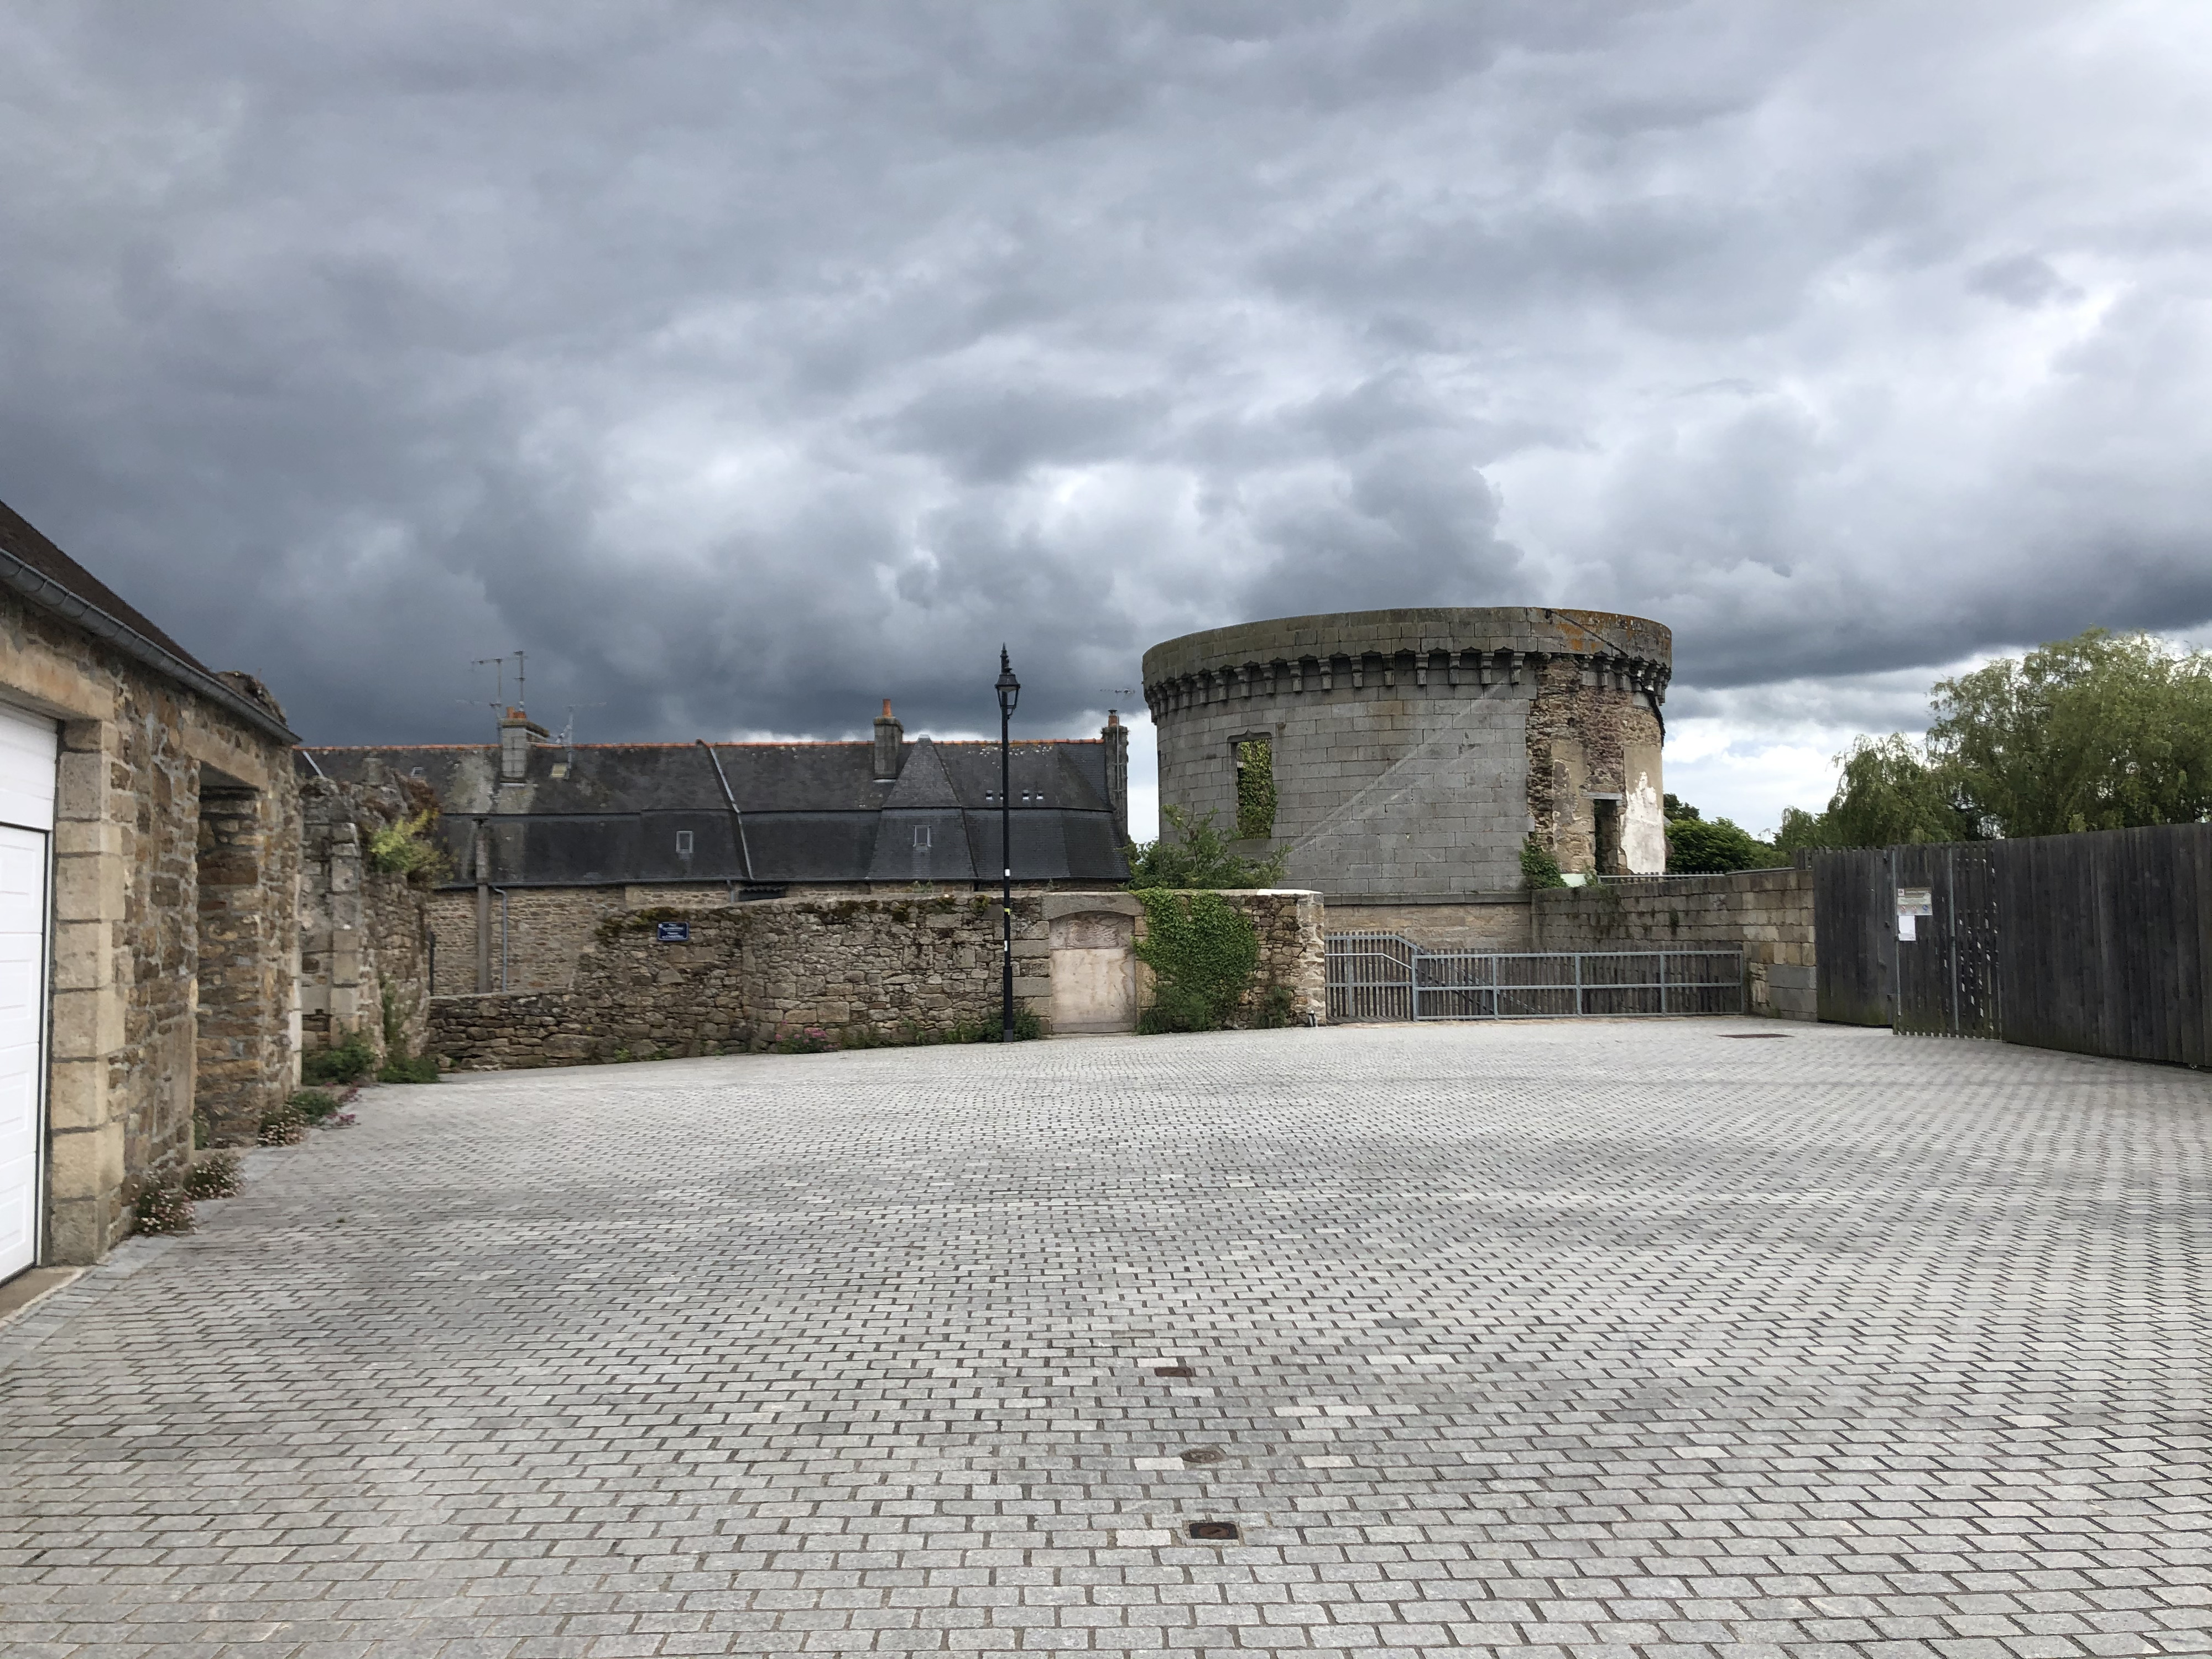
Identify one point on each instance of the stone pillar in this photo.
(481, 855)
(86, 1101)
(333, 970)
(244, 1065)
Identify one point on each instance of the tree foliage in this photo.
(2100, 731)
(1696, 847)
(1196, 856)
(1888, 795)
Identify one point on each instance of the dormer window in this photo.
(682, 843)
(921, 838)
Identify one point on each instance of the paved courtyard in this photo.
(1617, 1338)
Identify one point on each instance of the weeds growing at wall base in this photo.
(164, 1207)
(217, 1175)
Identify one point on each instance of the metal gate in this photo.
(1387, 976)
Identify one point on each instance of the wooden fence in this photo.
(2100, 942)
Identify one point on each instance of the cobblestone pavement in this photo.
(1606, 1339)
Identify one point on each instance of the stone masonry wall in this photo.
(1291, 953)
(1490, 926)
(176, 851)
(1768, 913)
(549, 929)
(1585, 737)
(751, 974)
(364, 932)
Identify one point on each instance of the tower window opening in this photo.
(1255, 789)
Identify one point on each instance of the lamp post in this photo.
(1010, 692)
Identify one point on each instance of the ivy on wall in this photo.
(1203, 952)
(1255, 789)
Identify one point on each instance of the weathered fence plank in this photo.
(2107, 941)
(1851, 898)
(2099, 943)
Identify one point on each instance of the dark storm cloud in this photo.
(745, 364)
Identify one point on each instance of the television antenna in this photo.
(568, 732)
(498, 666)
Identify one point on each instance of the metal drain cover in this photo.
(1173, 1370)
(1216, 1532)
(1203, 1454)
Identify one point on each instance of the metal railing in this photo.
(1378, 976)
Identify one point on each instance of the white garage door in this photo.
(26, 815)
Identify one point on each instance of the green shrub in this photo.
(217, 1175)
(1538, 867)
(1278, 1008)
(163, 1207)
(1198, 856)
(314, 1105)
(403, 1069)
(283, 1125)
(1202, 952)
(350, 1062)
(405, 848)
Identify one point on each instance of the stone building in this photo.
(1403, 757)
(148, 848)
(545, 840)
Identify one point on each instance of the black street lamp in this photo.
(1010, 692)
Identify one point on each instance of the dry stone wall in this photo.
(881, 968)
(1767, 913)
(364, 932)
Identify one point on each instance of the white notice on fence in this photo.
(1912, 903)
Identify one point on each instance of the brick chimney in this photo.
(891, 750)
(1117, 774)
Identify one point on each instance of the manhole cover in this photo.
(1173, 1370)
(1215, 1532)
(1203, 1454)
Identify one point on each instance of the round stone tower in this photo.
(1404, 757)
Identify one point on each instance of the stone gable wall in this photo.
(1768, 913)
(749, 974)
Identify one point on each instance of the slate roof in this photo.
(20, 537)
(598, 814)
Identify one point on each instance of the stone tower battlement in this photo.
(1406, 754)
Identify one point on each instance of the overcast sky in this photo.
(745, 364)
